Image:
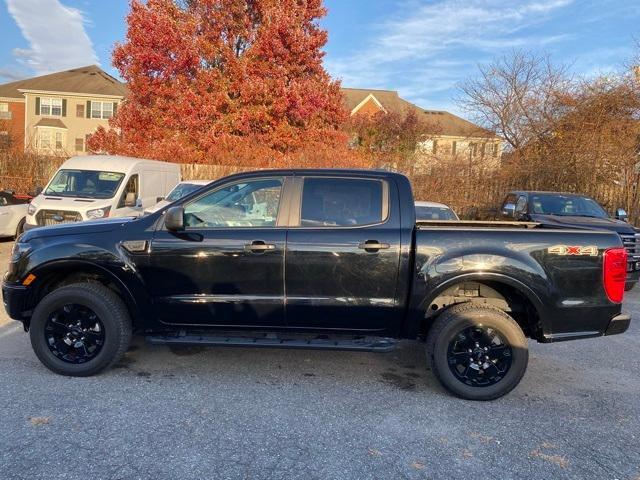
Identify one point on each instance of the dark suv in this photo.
(571, 210)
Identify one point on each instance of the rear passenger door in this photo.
(342, 256)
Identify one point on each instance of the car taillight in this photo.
(615, 273)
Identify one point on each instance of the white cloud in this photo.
(56, 35)
(440, 42)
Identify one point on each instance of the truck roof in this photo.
(113, 163)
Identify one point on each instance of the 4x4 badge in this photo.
(590, 250)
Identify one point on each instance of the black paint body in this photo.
(317, 279)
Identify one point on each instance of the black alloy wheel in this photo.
(479, 356)
(74, 333)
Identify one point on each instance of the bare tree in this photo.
(515, 96)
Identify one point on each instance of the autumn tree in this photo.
(389, 139)
(217, 81)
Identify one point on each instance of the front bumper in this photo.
(619, 324)
(13, 297)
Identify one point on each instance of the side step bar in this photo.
(320, 342)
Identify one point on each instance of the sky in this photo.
(423, 49)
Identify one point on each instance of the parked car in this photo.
(180, 190)
(434, 211)
(13, 213)
(321, 259)
(570, 210)
(100, 186)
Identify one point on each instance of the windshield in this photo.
(566, 205)
(182, 190)
(84, 184)
(435, 213)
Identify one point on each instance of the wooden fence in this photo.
(473, 194)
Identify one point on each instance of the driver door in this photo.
(227, 267)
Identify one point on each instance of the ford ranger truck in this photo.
(318, 259)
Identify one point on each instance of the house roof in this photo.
(50, 122)
(446, 123)
(90, 80)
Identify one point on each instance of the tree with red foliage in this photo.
(213, 81)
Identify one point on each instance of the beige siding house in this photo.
(447, 137)
(63, 108)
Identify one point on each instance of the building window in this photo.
(473, 149)
(454, 147)
(101, 110)
(51, 139)
(434, 147)
(483, 150)
(79, 144)
(495, 149)
(80, 110)
(5, 114)
(51, 106)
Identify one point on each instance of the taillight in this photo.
(615, 273)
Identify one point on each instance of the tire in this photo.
(114, 327)
(457, 323)
(20, 227)
(629, 286)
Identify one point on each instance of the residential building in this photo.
(54, 114)
(446, 137)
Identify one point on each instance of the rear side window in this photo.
(341, 202)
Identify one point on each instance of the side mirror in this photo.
(138, 202)
(174, 219)
(130, 199)
(621, 214)
(509, 210)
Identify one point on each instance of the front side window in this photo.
(84, 184)
(51, 106)
(341, 202)
(131, 193)
(253, 203)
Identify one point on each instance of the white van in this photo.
(100, 186)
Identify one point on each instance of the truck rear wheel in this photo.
(477, 352)
(80, 329)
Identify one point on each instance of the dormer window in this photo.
(51, 106)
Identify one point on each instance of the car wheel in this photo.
(80, 329)
(477, 352)
(20, 227)
(629, 286)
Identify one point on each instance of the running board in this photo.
(319, 342)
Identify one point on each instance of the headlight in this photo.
(32, 209)
(98, 213)
(19, 251)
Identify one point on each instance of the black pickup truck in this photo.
(322, 259)
(571, 210)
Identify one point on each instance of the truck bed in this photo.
(475, 224)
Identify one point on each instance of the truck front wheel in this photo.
(80, 329)
(477, 352)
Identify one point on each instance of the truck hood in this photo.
(558, 221)
(54, 202)
(89, 226)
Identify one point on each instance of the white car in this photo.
(182, 189)
(13, 213)
(434, 211)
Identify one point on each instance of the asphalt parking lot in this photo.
(194, 413)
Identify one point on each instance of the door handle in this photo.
(373, 246)
(258, 246)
